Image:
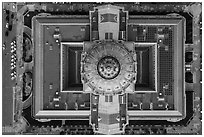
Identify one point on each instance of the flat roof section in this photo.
(169, 34)
(49, 102)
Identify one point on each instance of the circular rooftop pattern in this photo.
(107, 67)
